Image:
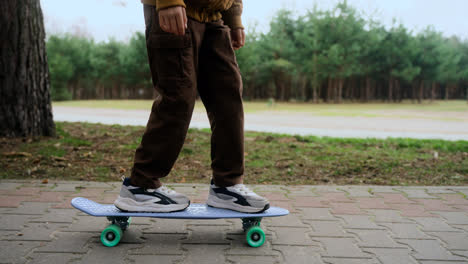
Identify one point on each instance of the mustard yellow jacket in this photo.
(206, 10)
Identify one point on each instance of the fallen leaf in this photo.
(17, 154)
(122, 170)
(182, 180)
(45, 181)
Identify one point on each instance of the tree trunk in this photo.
(421, 90)
(390, 89)
(433, 91)
(25, 108)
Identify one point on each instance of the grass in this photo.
(84, 151)
(407, 109)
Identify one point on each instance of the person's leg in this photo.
(171, 60)
(220, 88)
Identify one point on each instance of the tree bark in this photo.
(25, 108)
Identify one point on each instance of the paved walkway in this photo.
(385, 125)
(327, 224)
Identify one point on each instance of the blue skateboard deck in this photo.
(194, 211)
(121, 220)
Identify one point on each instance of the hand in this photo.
(237, 38)
(173, 20)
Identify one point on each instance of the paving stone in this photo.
(165, 226)
(13, 222)
(286, 205)
(291, 236)
(327, 229)
(388, 216)
(461, 253)
(49, 197)
(371, 203)
(382, 189)
(411, 210)
(350, 261)
(69, 242)
(237, 259)
(335, 197)
(152, 259)
(239, 246)
(454, 240)
(276, 197)
(207, 234)
(25, 191)
(206, 254)
(429, 224)
(461, 227)
(374, 238)
(429, 250)
(325, 189)
(392, 255)
(346, 208)
(57, 216)
(419, 193)
(340, 248)
(442, 262)
(357, 191)
(9, 185)
(358, 221)
(56, 258)
(435, 205)
(309, 201)
(30, 208)
(87, 224)
(64, 187)
(299, 254)
(16, 251)
(133, 235)
(454, 218)
(298, 191)
(438, 190)
(454, 199)
(405, 230)
(291, 220)
(156, 244)
(110, 255)
(34, 232)
(11, 201)
(65, 204)
(317, 214)
(394, 198)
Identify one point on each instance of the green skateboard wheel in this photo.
(111, 236)
(255, 236)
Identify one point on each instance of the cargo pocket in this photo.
(169, 54)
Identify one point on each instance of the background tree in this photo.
(25, 108)
(321, 56)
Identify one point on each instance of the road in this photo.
(295, 123)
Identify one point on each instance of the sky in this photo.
(119, 19)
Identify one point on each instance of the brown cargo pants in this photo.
(202, 60)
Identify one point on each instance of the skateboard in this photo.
(120, 220)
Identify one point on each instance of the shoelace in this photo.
(242, 189)
(163, 189)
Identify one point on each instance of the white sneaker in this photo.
(238, 198)
(160, 200)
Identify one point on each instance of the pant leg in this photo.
(220, 88)
(171, 60)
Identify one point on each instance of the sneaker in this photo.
(238, 198)
(160, 200)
